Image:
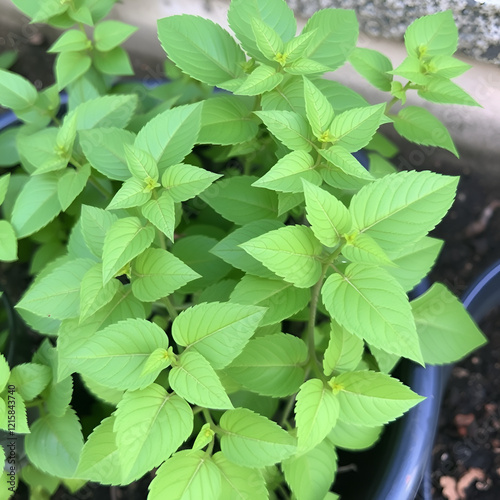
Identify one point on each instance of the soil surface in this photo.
(466, 455)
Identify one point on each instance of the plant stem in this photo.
(170, 308)
(99, 188)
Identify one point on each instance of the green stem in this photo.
(395, 99)
(94, 183)
(170, 308)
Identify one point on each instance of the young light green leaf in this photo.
(289, 172)
(270, 365)
(110, 34)
(157, 273)
(240, 482)
(116, 356)
(238, 201)
(311, 475)
(349, 436)
(432, 35)
(99, 460)
(268, 41)
(297, 46)
(274, 13)
(114, 62)
(125, 239)
(71, 183)
(195, 380)
(71, 41)
(104, 149)
(95, 225)
(262, 79)
(93, 294)
(372, 398)
(354, 128)
(57, 294)
(204, 437)
(132, 194)
(150, 425)
(335, 35)
(55, 443)
(289, 96)
(8, 242)
(30, 379)
(442, 90)
(228, 248)
(252, 440)
(184, 182)
(36, 205)
(16, 92)
(318, 110)
(161, 213)
(184, 39)
(218, 331)
(362, 248)
(447, 66)
(281, 299)
(373, 66)
(71, 65)
(344, 350)
(329, 217)
(159, 359)
(291, 252)
(414, 70)
(304, 66)
(226, 120)
(187, 475)
(446, 331)
(383, 313)
(288, 127)
(403, 207)
(171, 135)
(141, 164)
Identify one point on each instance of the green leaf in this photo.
(446, 331)
(4, 185)
(291, 252)
(289, 128)
(195, 380)
(99, 460)
(413, 262)
(187, 475)
(401, 208)
(372, 398)
(93, 294)
(362, 248)
(349, 436)
(344, 350)
(238, 201)
(104, 149)
(55, 443)
(95, 225)
(115, 356)
(287, 174)
(184, 182)
(319, 111)
(162, 420)
(204, 437)
(36, 205)
(159, 359)
(8, 242)
(4, 373)
(270, 365)
(71, 65)
(305, 66)
(184, 39)
(262, 79)
(432, 35)
(10, 154)
(15, 91)
(30, 379)
(268, 41)
(71, 184)
(110, 34)
(157, 273)
(8, 58)
(57, 294)
(447, 66)
(125, 239)
(311, 475)
(373, 66)
(161, 213)
(354, 128)
(281, 299)
(383, 314)
(141, 164)
(252, 440)
(218, 331)
(226, 120)
(70, 41)
(274, 13)
(114, 62)
(131, 194)
(329, 218)
(171, 135)
(441, 90)
(240, 482)
(414, 70)
(335, 36)
(13, 402)
(316, 411)
(288, 96)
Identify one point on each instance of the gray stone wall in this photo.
(478, 22)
